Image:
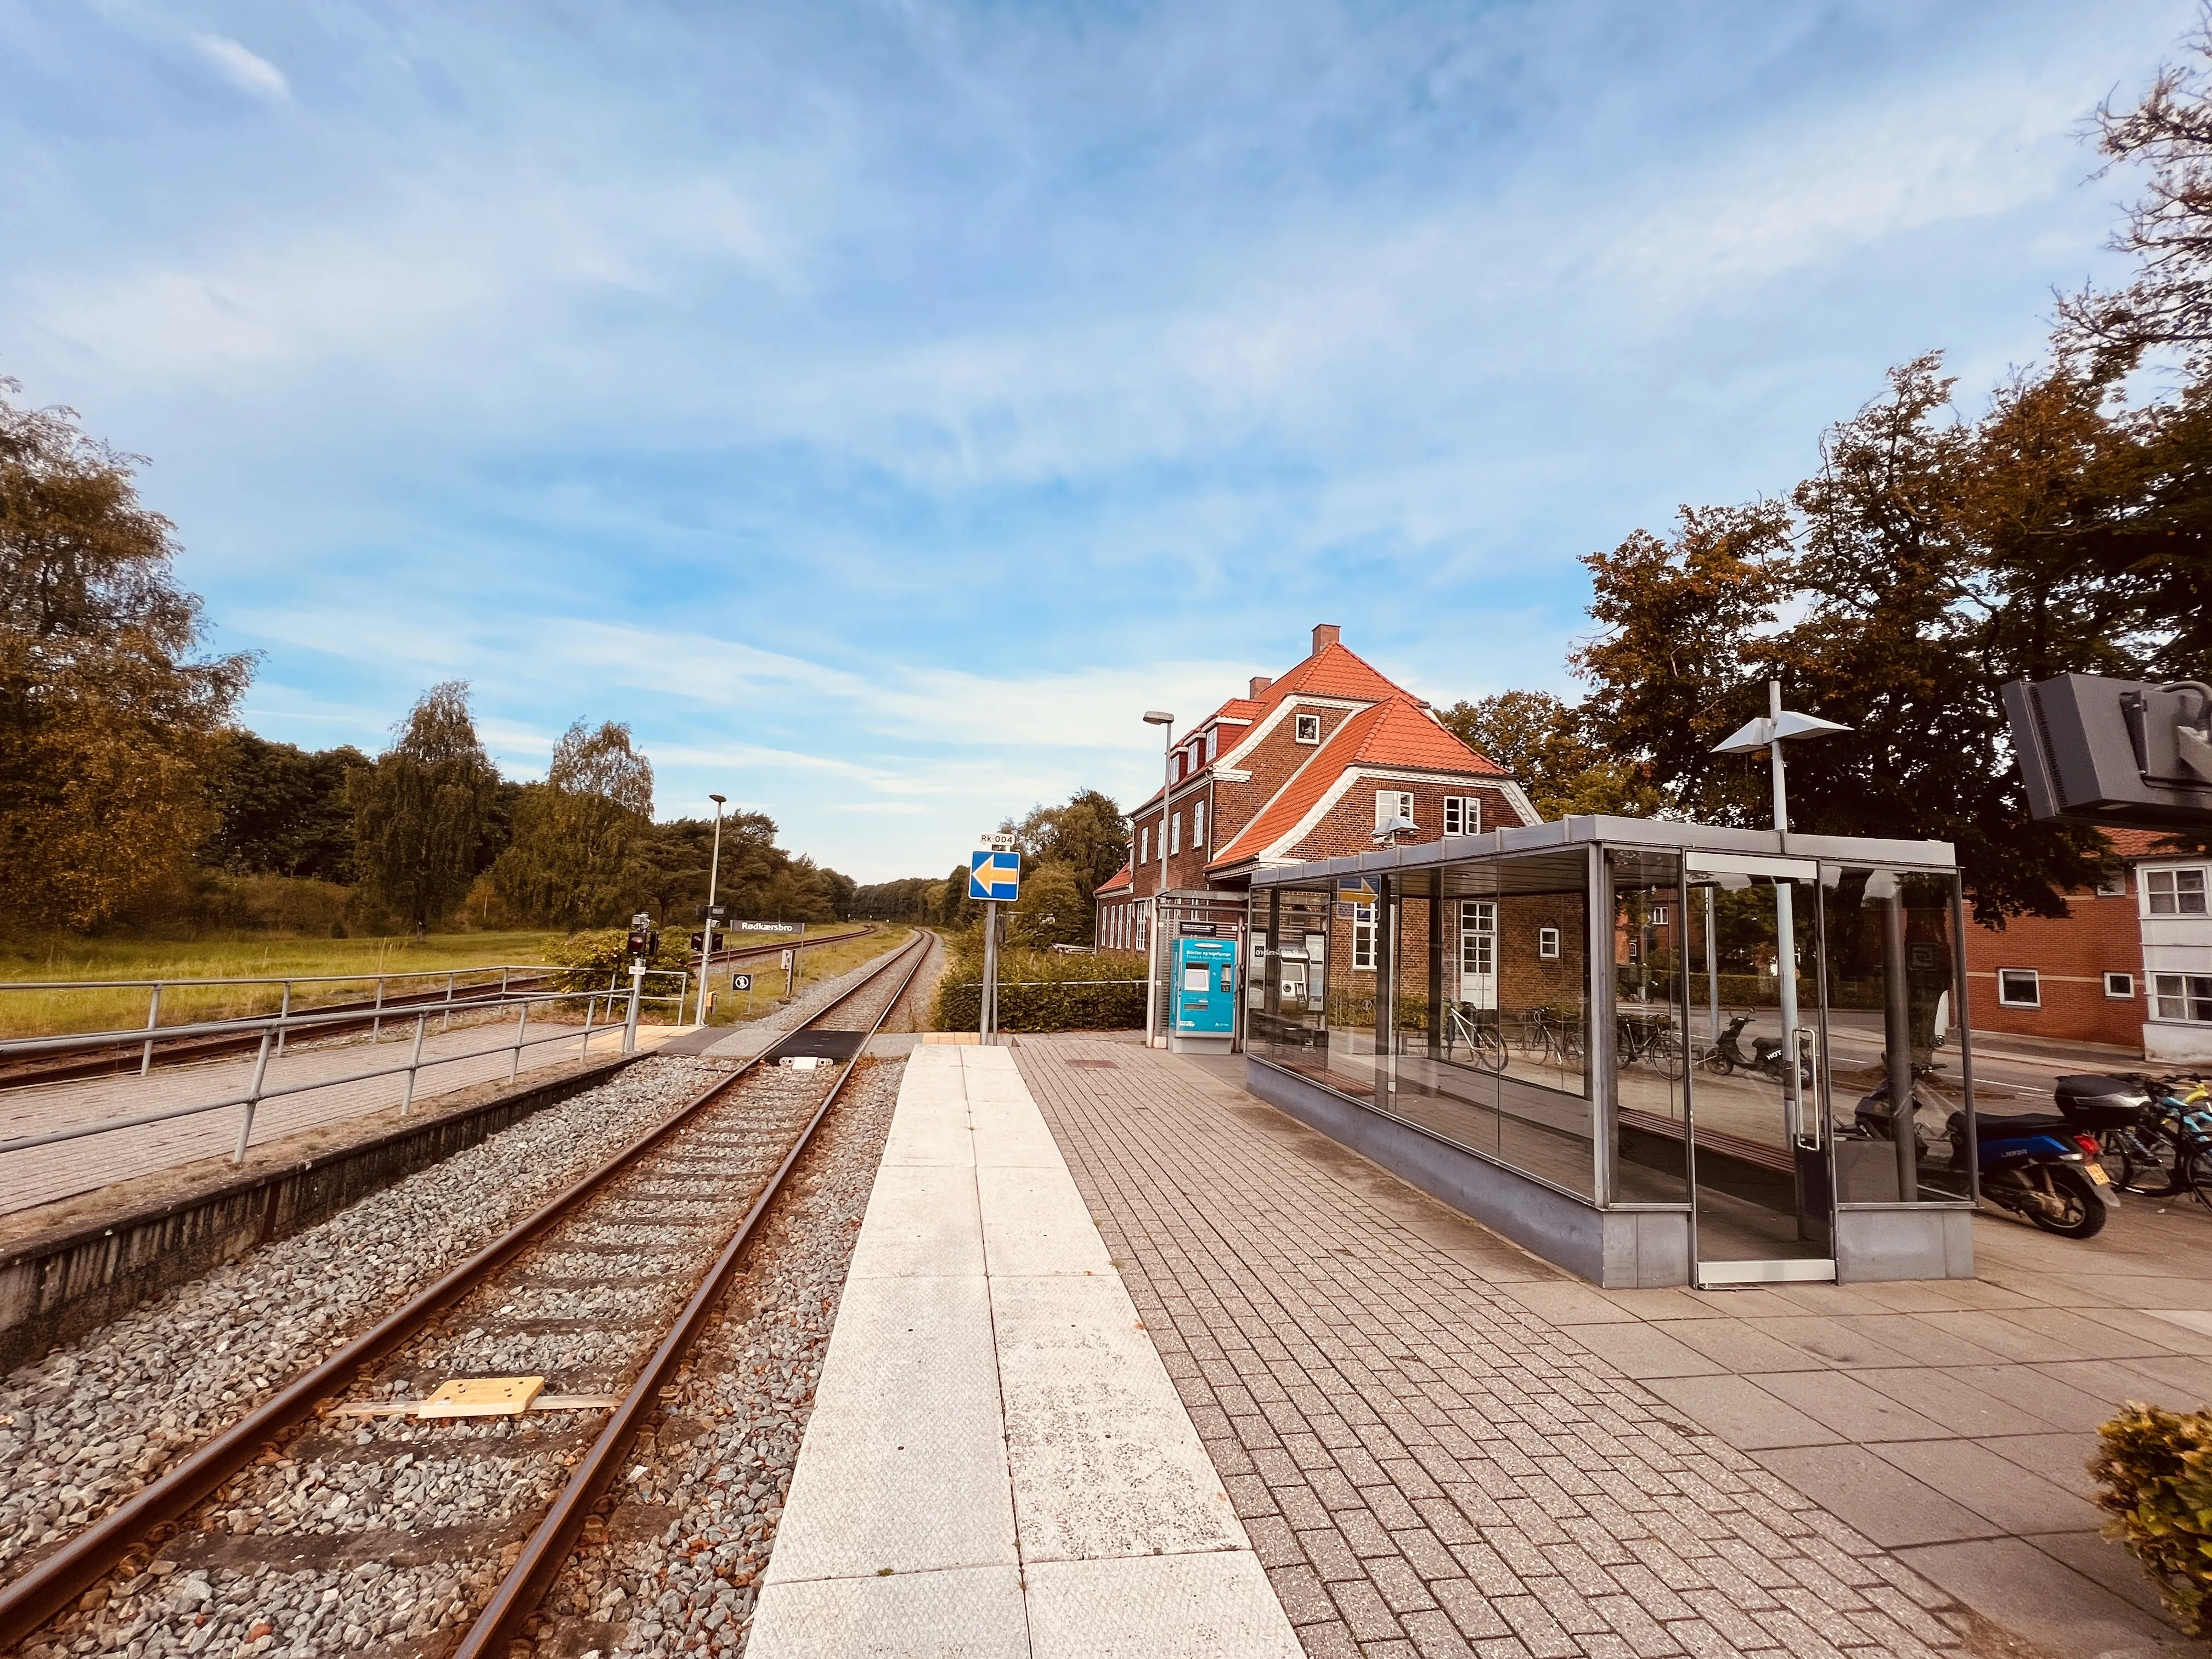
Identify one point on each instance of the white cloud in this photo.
(247, 70)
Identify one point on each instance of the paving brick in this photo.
(1300, 1590)
(1329, 1640)
(1364, 1610)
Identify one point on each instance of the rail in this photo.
(50, 1584)
(274, 1028)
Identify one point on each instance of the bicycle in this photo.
(2170, 1151)
(1484, 1040)
(1648, 1037)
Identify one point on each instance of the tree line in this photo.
(1931, 557)
(129, 794)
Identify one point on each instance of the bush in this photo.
(2155, 1467)
(1044, 991)
(596, 960)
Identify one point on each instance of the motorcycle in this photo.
(2043, 1166)
(1726, 1055)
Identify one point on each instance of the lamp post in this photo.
(1166, 721)
(1770, 732)
(707, 939)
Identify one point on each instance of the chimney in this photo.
(1260, 684)
(1324, 635)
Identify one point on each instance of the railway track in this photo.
(410, 1533)
(123, 1055)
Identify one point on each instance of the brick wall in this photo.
(2071, 956)
(1349, 826)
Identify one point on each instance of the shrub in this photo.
(596, 960)
(2155, 1467)
(1044, 991)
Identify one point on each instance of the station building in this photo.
(1304, 766)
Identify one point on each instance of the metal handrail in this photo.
(272, 1029)
(274, 979)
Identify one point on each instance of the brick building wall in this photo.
(1348, 827)
(2071, 956)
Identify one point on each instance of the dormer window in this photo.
(1308, 728)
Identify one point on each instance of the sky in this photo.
(880, 406)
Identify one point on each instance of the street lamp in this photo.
(1166, 721)
(1770, 732)
(707, 938)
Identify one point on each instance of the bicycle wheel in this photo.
(1666, 1054)
(1489, 1048)
(2148, 1162)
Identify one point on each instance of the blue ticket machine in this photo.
(1204, 996)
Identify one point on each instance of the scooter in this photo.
(2043, 1166)
(1726, 1055)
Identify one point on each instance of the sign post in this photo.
(790, 974)
(994, 876)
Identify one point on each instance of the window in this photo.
(2113, 886)
(2183, 996)
(1658, 917)
(2121, 987)
(2019, 987)
(1198, 824)
(2175, 892)
(1363, 937)
(1144, 846)
(1463, 815)
(1478, 938)
(1213, 744)
(1392, 804)
(1547, 944)
(1308, 728)
(1175, 835)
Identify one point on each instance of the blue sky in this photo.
(878, 406)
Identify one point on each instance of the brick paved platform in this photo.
(40, 1174)
(1441, 1445)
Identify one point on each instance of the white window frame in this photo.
(1463, 815)
(1478, 936)
(1144, 845)
(2176, 894)
(2120, 988)
(2006, 999)
(1547, 944)
(1363, 938)
(1197, 825)
(1175, 835)
(2185, 998)
(1401, 805)
(1306, 728)
(1656, 916)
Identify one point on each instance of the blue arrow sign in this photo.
(994, 875)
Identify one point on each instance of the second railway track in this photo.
(335, 1516)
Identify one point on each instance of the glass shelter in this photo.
(1656, 1053)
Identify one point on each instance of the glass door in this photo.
(1764, 1193)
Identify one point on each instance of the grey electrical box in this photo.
(2102, 751)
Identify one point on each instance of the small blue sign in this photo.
(994, 876)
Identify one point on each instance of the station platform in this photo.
(1438, 1443)
(997, 1464)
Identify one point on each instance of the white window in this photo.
(1547, 944)
(1198, 824)
(2183, 996)
(1391, 803)
(1213, 744)
(2121, 987)
(1175, 835)
(1363, 937)
(1308, 728)
(2175, 892)
(1477, 937)
(1144, 846)
(1463, 815)
(2019, 987)
(1658, 915)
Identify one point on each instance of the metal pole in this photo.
(521, 1025)
(376, 1025)
(985, 1010)
(252, 1099)
(706, 966)
(1774, 758)
(445, 1022)
(629, 1021)
(1785, 930)
(152, 1019)
(1152, 993)
(285, 1011)
(713, 879)
(1897, 1045)
(591, 1006)
(413, 1064)
(1712, 969)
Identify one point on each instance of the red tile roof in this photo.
(1395, 735)
(2140, 843)
(1114, 883)
(1334, 670)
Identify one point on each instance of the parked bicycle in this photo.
(1554, 1038)
(1465, 1027)
(2168, 1149)
(1650, 1039)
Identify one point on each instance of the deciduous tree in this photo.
(420, 811)
(577, 860)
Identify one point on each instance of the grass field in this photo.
(33, 1012)
(817, 964)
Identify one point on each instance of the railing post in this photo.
(629, 1021)
(591, 1007)
(283, 1012)
(446, 1021)
(152, 1019)
(521, 1024)
(376, 1025)
(252, 1099)
(414, 1063)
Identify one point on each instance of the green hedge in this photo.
(2155, 1467)
(1046, 991)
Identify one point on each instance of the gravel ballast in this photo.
(93, 1421)
(674, 1559)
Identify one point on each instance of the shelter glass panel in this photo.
(1650, 1041)
(1287, 1012)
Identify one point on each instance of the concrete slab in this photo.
(998, 1463)
(2050, 1605)
(1858, 1486)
